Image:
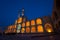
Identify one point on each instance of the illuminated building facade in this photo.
(39, 25)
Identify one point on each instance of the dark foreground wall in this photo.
(29, 37)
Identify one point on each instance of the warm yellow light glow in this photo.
(27, 23)
(13, 26)
(32, 22)
(48, 27)
(14, 30)
(18, 31)
(23, 24)
(49, 30)
(19, 20)
(27, 30)
(10, 27)
(40, 28)
(22, 30)
(33, 29)
(18, 26)
(38, 21)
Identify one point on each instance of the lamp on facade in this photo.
(48, 27)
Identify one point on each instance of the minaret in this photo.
(24, 18)
(22, 12)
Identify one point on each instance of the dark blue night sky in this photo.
(33, 9)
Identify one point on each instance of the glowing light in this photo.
(18, 31)
(13, 26)
(14, 30)
(38, 21)
(49, 30)
(48, 27)
(19, 20)
(27, 23)
(22, 30)
(27, 30)
(18, 26)
(40, 28)
(33, 29)
(23, 24)
(32, 22)
(10, 27)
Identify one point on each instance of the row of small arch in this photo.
(47, 27)
(32, 22)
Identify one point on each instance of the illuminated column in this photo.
(23, 28)
(33, 26)
(14, 28)
(9, 29)
(33, 29)
(39, 25)
(18, 28)
(27, 26)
